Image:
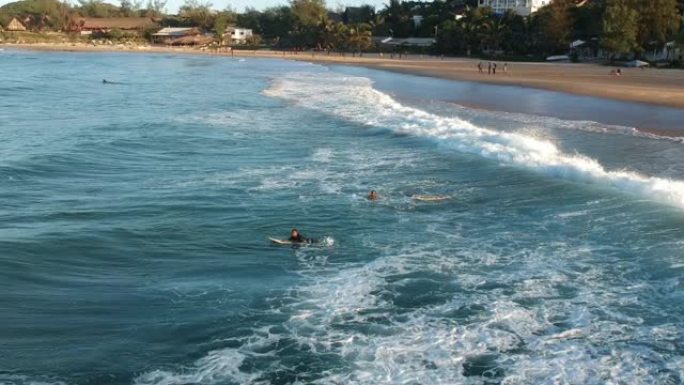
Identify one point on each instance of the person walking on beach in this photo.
(479, 67)
(489, 68)
(494, 68)
(505, 68)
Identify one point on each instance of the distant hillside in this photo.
(39, 13)
(56, 15)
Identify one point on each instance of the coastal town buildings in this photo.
(521, 7)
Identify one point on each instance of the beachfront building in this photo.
(102, 25)
(15, 25)
(399, 43)
(238, 35)
(521, 7)
(356, 15)
(667, 53)
(180, 36)
(166, 35)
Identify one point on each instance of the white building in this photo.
(417, 20)
(239, 35)
(521, 7)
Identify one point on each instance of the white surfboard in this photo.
(281, 241)
(324, 242)
(431, 198)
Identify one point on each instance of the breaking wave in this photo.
(354, 99)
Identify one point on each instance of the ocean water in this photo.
(134, 219)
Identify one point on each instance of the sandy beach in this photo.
(653, 86)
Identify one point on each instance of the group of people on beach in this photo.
(491, 68)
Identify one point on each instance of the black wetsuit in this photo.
(300, 239)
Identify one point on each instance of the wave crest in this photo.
(355, 99)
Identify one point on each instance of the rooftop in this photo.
(115, 22)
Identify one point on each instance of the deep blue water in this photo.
(134, 219)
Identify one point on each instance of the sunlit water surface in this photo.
(135, 216)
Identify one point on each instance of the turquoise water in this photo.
(135, 217)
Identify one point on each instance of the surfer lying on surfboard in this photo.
(295, 238)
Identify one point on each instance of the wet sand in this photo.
(653, 86)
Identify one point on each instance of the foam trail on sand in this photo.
(354, 99)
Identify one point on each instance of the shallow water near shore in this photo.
(536, 102)
(135, 217)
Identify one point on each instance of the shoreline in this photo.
(650, 86)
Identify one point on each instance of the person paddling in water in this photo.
(373, 196)
(296, 237)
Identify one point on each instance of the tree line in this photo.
(459, 27)
(617, 26)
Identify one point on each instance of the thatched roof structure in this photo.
(15, 25)
(177, 32)
(190, 40)
(109, 23)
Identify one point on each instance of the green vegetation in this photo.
(38, 37)
(620, 25)
(458, 27)
(42, 14)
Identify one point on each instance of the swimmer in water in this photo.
(296, 237)
(373, 196)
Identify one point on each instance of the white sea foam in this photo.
(323, 155)
(395, 320)
(355, 314)
(355, 99)
(16, 379)
(580, 125)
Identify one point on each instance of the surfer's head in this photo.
(295, 235)
(373, 195)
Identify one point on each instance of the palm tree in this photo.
(340, 36)
(360, 37)
(493, 31)
(327, 30)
